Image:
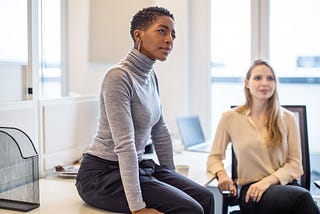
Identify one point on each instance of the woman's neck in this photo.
(259, 114)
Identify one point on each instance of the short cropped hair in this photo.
(145, 17)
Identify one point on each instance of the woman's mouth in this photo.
(264, 91)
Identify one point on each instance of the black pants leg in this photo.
(280, 199)
(99, 185)
(177, 193)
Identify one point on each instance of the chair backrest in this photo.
(301, 114)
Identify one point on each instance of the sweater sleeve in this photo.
(116, 93)
(163, 143)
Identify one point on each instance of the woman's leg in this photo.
(180, 195)
(99, 184)
(280, 199)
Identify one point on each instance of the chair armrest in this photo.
(229, 198)
(209, 181)
(227, 195)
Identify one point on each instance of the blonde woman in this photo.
(266, 141)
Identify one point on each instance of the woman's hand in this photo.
(226, 183)
(256, 190)
(147, 211)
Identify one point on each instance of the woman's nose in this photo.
(169, 39)
(264, 82)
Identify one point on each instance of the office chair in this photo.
(300, 111)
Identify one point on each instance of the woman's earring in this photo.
(139, 46)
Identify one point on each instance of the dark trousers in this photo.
(99, 185)
(280, 199)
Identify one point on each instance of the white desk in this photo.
(60, 195)
(197, 162)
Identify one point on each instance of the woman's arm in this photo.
(225, 182)
(292, 169)
(117, 92)
(162, 142)
(218, 149)
(217, 154)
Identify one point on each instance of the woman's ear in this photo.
(246, 83)
(138, 40)
(137, 35)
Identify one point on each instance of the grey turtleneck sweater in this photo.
(131, 115)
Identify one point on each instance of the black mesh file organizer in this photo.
(19, 171)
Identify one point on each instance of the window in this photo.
(14, 32)
(230, 53)
(230, 37)
(13, 50)
(294, 38)
(50, 53)
(17, 35)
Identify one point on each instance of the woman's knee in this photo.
(206, 199)
(304, 196)
(305, 203)
(192, 208)
(209, 197)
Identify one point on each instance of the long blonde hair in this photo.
(273, 108)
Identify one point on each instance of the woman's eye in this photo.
(161, 31)
(257, 78)
(270, 78)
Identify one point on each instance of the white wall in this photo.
(184, 76)
(104, 35)
(84, 77)
(67, 126)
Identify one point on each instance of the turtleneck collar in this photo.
(139, 62)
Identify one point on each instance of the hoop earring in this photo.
(139, 46)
